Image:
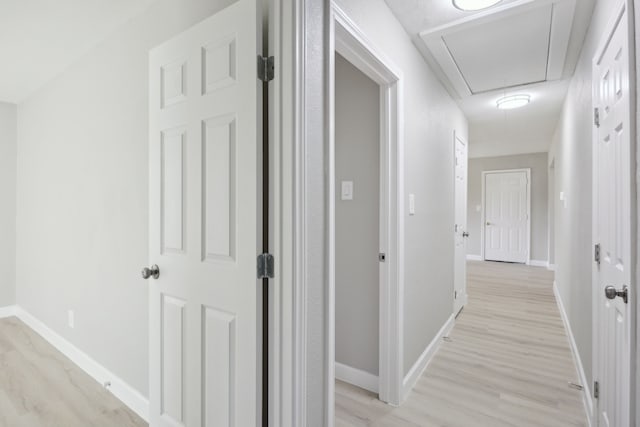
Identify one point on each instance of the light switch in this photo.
(412, 204)
(347, 190)
(563, 199)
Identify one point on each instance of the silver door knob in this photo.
(465, 234)
(154, 272)
(611, 293)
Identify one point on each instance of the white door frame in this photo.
(346, 39)
(482, 223)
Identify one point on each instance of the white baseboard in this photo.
(586, 397)
(421, 364)
(7, 311)
(357, 377)
(120, 389)
(552, 267)
(538, 263)
(474, 258)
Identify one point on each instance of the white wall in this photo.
(82, 193)
(539, 199)
(357, 148)
(572, 151)
(430, 118)
(8, 204)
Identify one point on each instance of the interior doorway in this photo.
(506, 222)
(349, 48)
(357, 216)
(460, 157)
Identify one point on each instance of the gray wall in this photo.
(82, 193)
(571, 151)
(8, 125)
(357, 140)
(539, 200)
(430, 118)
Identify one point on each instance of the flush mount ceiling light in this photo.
(474, 4)
(513, 101)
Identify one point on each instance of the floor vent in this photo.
(575, 386)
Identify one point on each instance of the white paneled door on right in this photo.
(613, 164)
(506, 215)
(204, 131)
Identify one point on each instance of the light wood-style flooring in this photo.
(39, 387)
(508, 363)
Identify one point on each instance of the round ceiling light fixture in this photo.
(513, 101)
(474, 4)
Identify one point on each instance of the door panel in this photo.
(204, 211)
(612, 224)
(460, 273)
(506, 227)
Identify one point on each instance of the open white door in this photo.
(612, 181)
(506, 215)
(204, 212)
(460, 272)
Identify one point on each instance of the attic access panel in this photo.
(521, 43)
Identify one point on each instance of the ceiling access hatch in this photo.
(521, 43)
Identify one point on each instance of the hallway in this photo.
(508, 362)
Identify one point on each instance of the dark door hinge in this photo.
(596, 253)
(596, 117)
(265, 266)
(266, 68)
(596, 389)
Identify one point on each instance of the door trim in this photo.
(348, 40)
(482, 223)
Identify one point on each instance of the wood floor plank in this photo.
(40, 387)
(508, 363)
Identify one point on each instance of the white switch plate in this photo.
(346, 190)
(412, 204)
(71, 319)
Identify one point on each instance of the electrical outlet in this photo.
(71, 319)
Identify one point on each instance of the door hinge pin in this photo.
(266, 68)
(596, 253)
(596, 117)
(265, 266)
(596, 389)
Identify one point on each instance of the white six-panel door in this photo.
(506, 216)
(460, 263)
(613, 162)
(204, 212)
